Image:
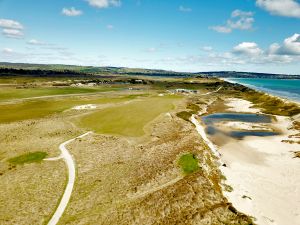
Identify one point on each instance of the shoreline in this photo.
(283, 98)
(262, 172)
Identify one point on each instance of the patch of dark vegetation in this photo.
(245, 196)
(163, 85)
(297, 154)
(296, 125)
(185, 115)
(193, 107)
(32, 157)
(40, 73)
(228, 188)
(188, 163)
(232, 209)
(290, 142)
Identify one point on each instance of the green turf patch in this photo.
(40, 108)
(32, 157)
(13, 93)
(188, 163)
(128, 119)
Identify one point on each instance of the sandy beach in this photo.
(263, 173)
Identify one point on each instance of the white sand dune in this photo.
(264, 175)
(241, 105)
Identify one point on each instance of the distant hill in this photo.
(234, 74)
(53, 70)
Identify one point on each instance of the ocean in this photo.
(289, 89)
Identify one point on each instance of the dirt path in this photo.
(155, 189)
(209, 93)
(65, 154)
(201, 131)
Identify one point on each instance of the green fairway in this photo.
(13, 93)
(128, 119)
(32, 157)
(188, 163)
(34, 109)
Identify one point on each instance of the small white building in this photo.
(186, 91)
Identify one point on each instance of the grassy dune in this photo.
(128, 119)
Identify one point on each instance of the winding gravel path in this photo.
(65, 154)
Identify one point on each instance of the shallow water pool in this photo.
(213, 129)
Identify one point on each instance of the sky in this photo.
(178, 35)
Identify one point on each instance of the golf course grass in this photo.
(128, 119)
(188, 163)
(34, 109)
(13, 93)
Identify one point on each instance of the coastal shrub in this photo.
(32, 157)
(228, 188)
(188, 163)
(272, 105)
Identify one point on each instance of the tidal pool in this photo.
(212, 124)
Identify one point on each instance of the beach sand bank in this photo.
(263, 173)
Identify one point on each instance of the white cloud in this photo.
(71, 12)
(248, 48)
(11, 28)
(36, 42)
(239, 20)
(287, 52)
(7, 50)
(104, 3)
(151, 50)
(290, 46)
(240, 13)
(207, 48)
(222, 29)
(11, 24)
(184, 9)
(13, 33)
(289, 8)
(110, 27)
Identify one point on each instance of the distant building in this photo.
(185, 91)
(77, 85)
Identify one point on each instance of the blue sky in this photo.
(181, 35)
